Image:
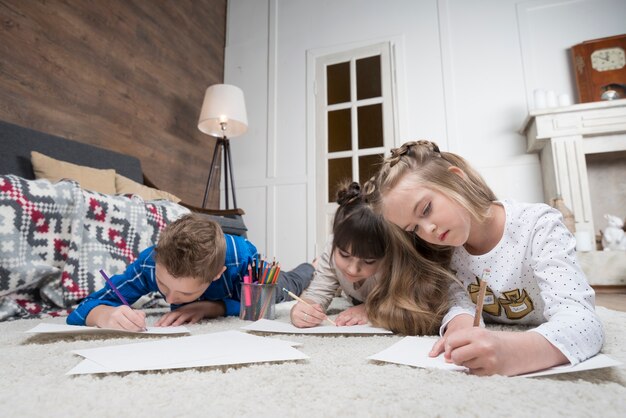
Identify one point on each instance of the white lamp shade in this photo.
(223, 111)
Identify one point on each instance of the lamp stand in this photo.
(222, 144)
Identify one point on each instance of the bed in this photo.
(56, 233)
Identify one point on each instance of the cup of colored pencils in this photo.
(258, 290)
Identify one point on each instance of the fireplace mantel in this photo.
(563, 136)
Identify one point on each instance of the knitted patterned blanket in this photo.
(55, 237)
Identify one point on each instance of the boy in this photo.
(197, 269)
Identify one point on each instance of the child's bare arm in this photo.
(355, 315)
(192, 313)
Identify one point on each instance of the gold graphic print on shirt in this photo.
(517, 304)
(490, 304)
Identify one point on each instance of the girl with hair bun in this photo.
(378, 267)
(349, 262)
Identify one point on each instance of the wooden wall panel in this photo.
(127, 75)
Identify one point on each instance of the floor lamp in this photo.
(223, 115)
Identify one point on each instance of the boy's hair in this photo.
(356, 227)
(430, 168)
(192, 246)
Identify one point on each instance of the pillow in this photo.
(124, 185)
(96, 180)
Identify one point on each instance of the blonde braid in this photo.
(431, 168)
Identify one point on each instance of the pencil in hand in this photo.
(307, 303)
(117, 292)
(112, 286)
(480, 299)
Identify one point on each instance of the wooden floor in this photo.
(615, 300)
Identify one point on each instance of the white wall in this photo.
(468, 69)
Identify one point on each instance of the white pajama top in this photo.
(535, 280)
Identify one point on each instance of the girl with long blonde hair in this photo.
(523, 252)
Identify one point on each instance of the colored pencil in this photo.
(260, 273)
(112, 286)
(480, 300)
(117, 292)
(247, 280)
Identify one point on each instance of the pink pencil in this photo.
(247, 297)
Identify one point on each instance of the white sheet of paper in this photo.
(413, 351)
(268, 325)
(599, 361)
(79, 329)
(221, 348)
(88, 367)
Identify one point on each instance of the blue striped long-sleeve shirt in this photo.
(139, 279)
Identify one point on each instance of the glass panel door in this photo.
(354, 122)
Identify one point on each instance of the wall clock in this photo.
(600, 69)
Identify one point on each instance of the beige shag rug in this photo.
(336, 381)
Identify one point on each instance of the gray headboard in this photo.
(16, 143)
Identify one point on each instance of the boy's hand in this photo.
(192, 313)
(462, 321)
(117, 317)
(355, 315)
(305, 316)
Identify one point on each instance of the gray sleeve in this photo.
(325, 282)
(295, 281)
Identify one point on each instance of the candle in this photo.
(540, 98)
(583, 241)
(551, 98)
(564, 99)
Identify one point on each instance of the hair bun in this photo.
(432, 146)
(349, 194)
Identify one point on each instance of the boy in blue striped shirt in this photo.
(197, 269)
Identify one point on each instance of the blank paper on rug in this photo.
(273, 326)
(216, 349)
(413, 351)
(80, 329)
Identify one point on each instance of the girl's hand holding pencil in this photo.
(306, 314)
(461, 326)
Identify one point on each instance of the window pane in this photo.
(338, 83)
(368, 166)
(339, 130)
(339, 169)
(370, 126)
(368, 83)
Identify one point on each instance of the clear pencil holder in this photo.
(257, 301)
